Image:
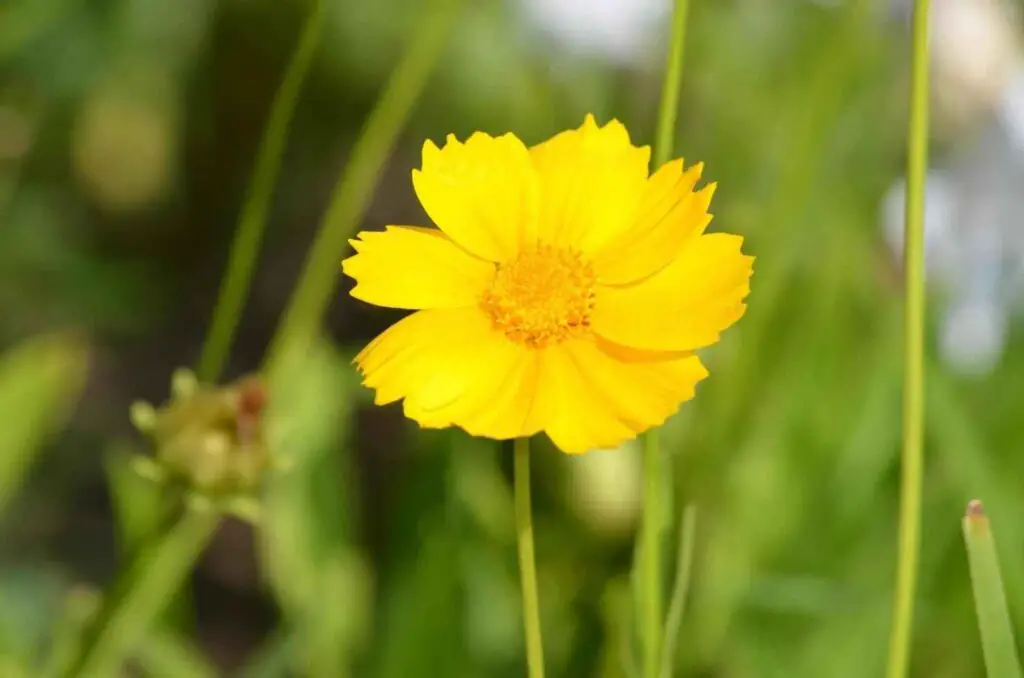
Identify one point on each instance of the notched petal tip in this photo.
(350, 265)
(646, 152)
(480, 137)
(614, 126)
(359, 291)
(701, 373)
(358, 245)
(429, 153)
(434, 156)
(705, 195)
(688, 178)
(613, 130)
(673, 167)
(732, 241)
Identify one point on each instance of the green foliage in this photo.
(39, 382)
(309, 557)
(141, 592)
(163, 654)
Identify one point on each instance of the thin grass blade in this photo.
(997, 640)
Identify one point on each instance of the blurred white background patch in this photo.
(974, 205)
(626, 32)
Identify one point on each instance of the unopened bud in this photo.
(208, 438)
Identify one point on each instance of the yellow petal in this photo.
(684, 306)
(495, 394)
(669, 214)
(574, 415)
(413, 268)
(592, 179)
(643, 387)
(597, 395)
(508, 413)
(453, 368)
(413, 357)
(483, 194)
(389, 364)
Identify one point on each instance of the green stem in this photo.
(684, 570)
(650, 554)
(913, 375)
(251, 225)
(664, 143)
(352, 193)
(997, 639)
(668, 112)
(527, 564)
(141, 592)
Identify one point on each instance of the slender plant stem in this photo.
(668, 112)
(913, 375)
(653, 518)
(352, 193)
(681, 588)
(141, 592)
(650, 554)
(527, 564)
(245, 248)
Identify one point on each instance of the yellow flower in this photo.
(565, 291)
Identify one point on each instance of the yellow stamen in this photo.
(542, 297)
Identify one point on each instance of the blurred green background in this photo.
(128, 132)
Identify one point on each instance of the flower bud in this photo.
(209, 438)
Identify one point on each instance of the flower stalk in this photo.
(913, 352)
(527, 561)
(651, 560)
(652, 623)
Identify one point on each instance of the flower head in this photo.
(564, 290)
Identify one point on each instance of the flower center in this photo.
(542, 297)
